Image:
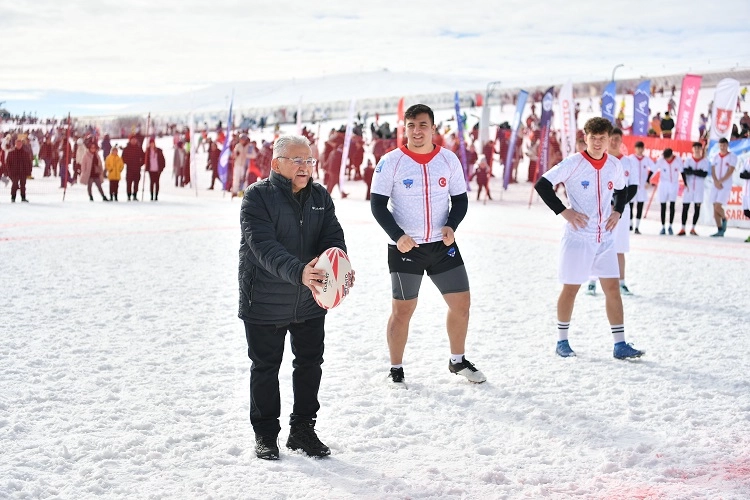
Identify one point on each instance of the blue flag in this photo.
(520, 104)
(225, 152)
(641, 109)
(608, 103)
(461, 142)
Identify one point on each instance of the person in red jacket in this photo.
(213, 162)
(19, 165)
(482, 174)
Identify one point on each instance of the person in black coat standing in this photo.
(19, 165)
(287, 221)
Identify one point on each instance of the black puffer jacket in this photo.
(279, 237)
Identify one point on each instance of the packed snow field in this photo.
(124, 368)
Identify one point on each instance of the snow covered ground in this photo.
(124, 371)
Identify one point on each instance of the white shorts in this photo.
(621, 234)
(581, 258)
(720, 195)
(694, 195)
(667, 192)
(641, 195)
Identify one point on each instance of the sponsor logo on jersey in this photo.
(585, 184)
(610, 185)
(627, 174)
(408, 183)
(406, 259)
(379, 167)
(452, 252)
(443, 182)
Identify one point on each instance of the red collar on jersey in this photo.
(723, 155)
(597, 164)
(421, 158)
(670, 160)
(619, 157)
(696, 160)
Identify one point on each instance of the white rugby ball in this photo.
(338, 281)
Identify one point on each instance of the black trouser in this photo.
(696, 213)
(265, 349)
(132, 184)
(95, 180)
(153, 187)
(16, 185)
(664, 213)
(113, 187)
(639, 208)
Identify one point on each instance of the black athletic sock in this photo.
(671, 212)
(685, 208)
(696, 213)
(663, 213)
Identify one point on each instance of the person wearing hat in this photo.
(154, 165)
(667, 125)
(19, 164)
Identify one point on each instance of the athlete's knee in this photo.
(402, 310)
(458, 303)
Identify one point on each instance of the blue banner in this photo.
(641, 109)
(520, 104)
(608, 103)
(225, 151)
(545, 123)
(461, 141)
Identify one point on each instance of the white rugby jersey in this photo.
(694, 183)
(629, 170)
(419, 187)
(721, 163)
(643, 165)
(669, 171)
(589, 185)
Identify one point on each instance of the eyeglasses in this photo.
(310, 162)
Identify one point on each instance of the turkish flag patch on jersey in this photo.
(610, 185)
(443, 182)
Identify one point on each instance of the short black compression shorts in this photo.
(443, 265)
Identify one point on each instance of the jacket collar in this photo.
(284, 183)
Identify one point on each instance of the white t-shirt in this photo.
(695, 183)
(669, 171)
(419, 187)
(721, 164)
(643, 165)
(589, 185)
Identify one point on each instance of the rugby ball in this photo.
(338, 281)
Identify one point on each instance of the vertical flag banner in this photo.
(484, 123)
(225, 152)
(641, 109)
(691, 84)
(347, 142)
(461, 140)
(608, 102)
(545, 124)
(66, 159)
(568, 116)
(400, 123)
(725, 102)
(520, 104)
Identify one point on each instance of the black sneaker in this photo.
(466, 369)
(397, 375)
(302, 437)
(266, 447)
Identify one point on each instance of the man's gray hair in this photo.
(285, 141)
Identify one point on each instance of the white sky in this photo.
(149, 47)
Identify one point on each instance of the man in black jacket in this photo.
(19, 164)
(287, 221)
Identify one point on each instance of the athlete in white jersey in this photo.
(644, 166)
(670, 170)
(694, 175)
(592, 180)
(426, 187)
(722, 168)
(745, 175)
(621, 233)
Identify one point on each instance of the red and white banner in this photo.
(568, 118)
(691, 84)
(400, 123)
(725, 102)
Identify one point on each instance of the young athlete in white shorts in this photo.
(592, 179)
(621, 234)
(694, 175)
(722, 168)
(670, 170)
(644, 166)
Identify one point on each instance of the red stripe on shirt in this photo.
(427, 214)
